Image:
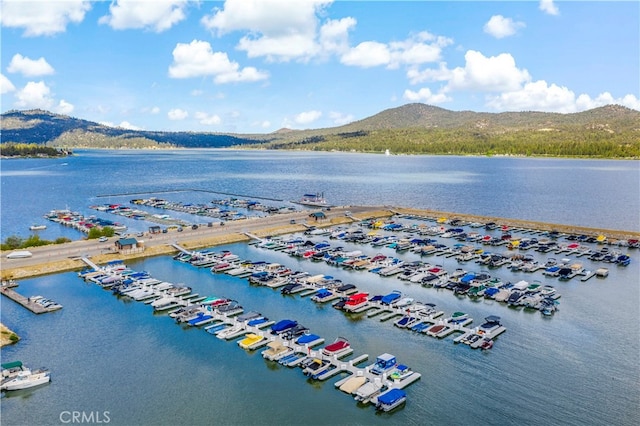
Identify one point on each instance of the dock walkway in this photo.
(34, 307)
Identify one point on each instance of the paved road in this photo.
(58, 252)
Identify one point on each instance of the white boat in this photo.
(313, 200)
(19, 254)
(368, 390)
(37, 227)
(27, 379)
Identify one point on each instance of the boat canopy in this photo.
(392, 396)
(10, 365)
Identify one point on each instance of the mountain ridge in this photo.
(44, 127)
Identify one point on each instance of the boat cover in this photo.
(283, 325)
(391, 396)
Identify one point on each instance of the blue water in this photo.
(113, 356)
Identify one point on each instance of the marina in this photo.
(552, 377)
(287, 343)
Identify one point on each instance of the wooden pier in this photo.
(34, 307)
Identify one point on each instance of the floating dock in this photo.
(27, 302)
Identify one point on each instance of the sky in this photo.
(255, 66)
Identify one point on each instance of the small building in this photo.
(155, 229)
(318, 216)
(129, 245)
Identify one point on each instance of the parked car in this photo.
(102, 239)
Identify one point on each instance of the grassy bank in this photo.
(7, 337)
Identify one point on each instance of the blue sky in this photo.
(254, 66)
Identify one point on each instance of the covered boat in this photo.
(391, 297)
(307, 338)
(352, 384)
(356, 301)
(282, 326)
(338, 347)
(391, 399)
(250, 341)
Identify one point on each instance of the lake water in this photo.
(116, 361)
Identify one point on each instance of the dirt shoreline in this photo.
(5, 336)
(202, 241)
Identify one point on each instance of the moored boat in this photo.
(25, 379)
(339, 347)
(391, 399)
(384, 363)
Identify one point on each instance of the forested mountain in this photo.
(611, 131)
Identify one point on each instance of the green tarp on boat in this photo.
(14, 364)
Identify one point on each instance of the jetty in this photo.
(31, 303)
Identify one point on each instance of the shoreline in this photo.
(6, 336)
(275, 225)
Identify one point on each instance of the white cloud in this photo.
(5, 85)
(177, 114)
(196, 92)
(548, 7)
(541, 96)
(278, 29)
(128, 126)
(29, 67)
(334, 35)
(42, 17)
(64, 107)
(425, 95)
(197, 59)
(442, 73)
(585, 102)
(207, 119)
(147, 14)
(492, 74)
(367, 54)
(265, 124)
(307, 117)
(500, 27)
(538, 96)
(34, 95)
(155, 110)
(340, 118)
(418, 49)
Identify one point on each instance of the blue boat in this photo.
(201, 317)
(282, 326)
(216, 328)
(323, 293)
(307, 338)
(391, 297)
(257, 321)
(491, 291)
(391, 399)
(384, 363)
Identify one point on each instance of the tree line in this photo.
(31, 150)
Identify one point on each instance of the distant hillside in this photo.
(43, 127)
(611, 131)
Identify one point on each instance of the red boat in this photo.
(355, 301)
(339, 347)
